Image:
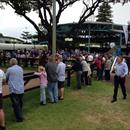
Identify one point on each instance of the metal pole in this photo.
(54, 30)
(89, 38)
(120, 40)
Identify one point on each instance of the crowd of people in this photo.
(52, 75)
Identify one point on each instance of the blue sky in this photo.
(13, 25)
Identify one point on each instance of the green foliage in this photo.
(104, 13)
(26, 36)
(20, 6)
(85, 109)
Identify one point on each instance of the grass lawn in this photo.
(85, 109)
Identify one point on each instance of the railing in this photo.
(27, 77)
(30, 76)
(26, 62)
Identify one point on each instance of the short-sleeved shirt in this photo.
(121, 69)
(14, 76)
(2, 76)
(61, 71)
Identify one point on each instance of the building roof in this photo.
(11, 38)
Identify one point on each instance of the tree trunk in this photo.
(41, 37)
(49, 39)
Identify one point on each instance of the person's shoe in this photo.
(41, 103)
(61, 98)
(114, 100)
(2, 127)
(51, 102)
(55, 101)
(19, 120)
(124, 98)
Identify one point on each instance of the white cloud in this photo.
(121, 13)
(72, 13)
(12, 24)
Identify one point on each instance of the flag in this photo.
(125, 29)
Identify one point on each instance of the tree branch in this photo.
(46, 8)
(62, 6)
(31, 21)
(89, 10)
(69, 3)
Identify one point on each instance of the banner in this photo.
(125, 29)
(121, 1)
(113, 65)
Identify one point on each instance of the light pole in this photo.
(54, 30)
(89, 35)
(120, 40)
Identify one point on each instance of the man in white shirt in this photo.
(90, 58)
(2, 116)
(86, 71)
(121, 71)
(61, 76)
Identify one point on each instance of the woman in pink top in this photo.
(43, 84)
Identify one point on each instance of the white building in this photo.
(6, 39)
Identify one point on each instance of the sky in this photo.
(13, 25)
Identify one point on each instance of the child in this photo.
(43, 84)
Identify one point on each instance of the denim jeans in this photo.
(99, 74)
(43, 94)
(53, 91)
(78, 77)
(17, 105)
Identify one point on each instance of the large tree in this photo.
(104, 13)
(44, 12)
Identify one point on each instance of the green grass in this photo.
(85, 109)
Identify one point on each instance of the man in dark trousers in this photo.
(14, 76)
(121, 71)
(77, 67)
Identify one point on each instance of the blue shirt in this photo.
(121, 69)
(61, 71)
(14, 76)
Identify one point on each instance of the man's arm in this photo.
(126, 70)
